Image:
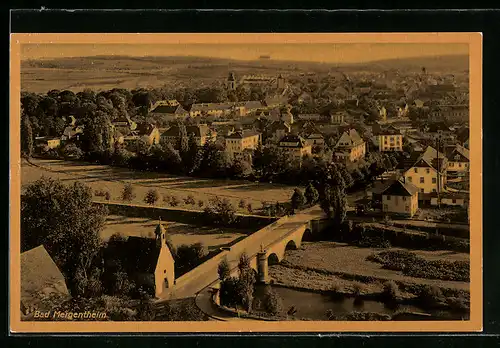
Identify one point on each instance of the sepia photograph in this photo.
(242, 182)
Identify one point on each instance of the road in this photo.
(206, 274)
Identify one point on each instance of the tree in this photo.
(246, 281)
(242, 204)
(152, 196)
(145, 310)
(128, 193)
(346, 176)
(189, 256)
(223, 269)
(190, 200)
(26, 135)
(211, 161)
(311, 194)
(297, 199)
(220, 212)
(66, 221)
(272, 302)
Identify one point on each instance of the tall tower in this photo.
(231, 82)
(160, 233)
(280, 82)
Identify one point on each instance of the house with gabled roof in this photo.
(427, 172)
(295, 145)
(400, 198)
(350, 147)
(313, 136)
(43, 286)
(458, 160)
(168, 110)
(241, 143)
(277, 130)
(201, 133)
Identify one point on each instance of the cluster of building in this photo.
(422, 180)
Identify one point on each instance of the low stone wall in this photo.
(195, 217)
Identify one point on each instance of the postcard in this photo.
(191, 183)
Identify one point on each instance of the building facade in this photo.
(390, 140)
(295, 146)
(240, 142)
(400, 198)
(350, 147)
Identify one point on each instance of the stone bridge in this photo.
(274, 252)
(264, 247)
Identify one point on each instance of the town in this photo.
(320, 194)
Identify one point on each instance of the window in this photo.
(407, 208)
(434, 180)
(404, 198)
(385, 207)
(433, 190)
(388, 198)
(422, 180)
(454, 200)
(460, 165)
(410, 178)
(422, 190)
(164, 271)
(427, 170)
(415, 170)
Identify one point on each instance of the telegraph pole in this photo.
(438, 143)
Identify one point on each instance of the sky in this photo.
(328, 53)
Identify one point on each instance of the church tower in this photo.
(160, 234)
(280, 82)
(231, 82)
(164, 274)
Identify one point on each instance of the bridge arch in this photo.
(273, 259)
(291, 245)
(307, 236)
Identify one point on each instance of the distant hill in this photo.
(456, 63)
(107, 72)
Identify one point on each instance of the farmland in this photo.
(107, 178)
(107, 72)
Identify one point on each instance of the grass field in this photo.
(212, 238)
(112, 179)
(333, 257)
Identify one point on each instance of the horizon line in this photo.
(243, 60)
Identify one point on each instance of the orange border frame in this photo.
(474, 40)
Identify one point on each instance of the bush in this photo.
(249, 208)
(189, 200)
(201, 203)
(107, 196)
(391, 291)
(174, 201)
(166, 199)
(414, 266)
(152, 196)
(242, 204)
(430, 296)
(101, 193)
(128, 193)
